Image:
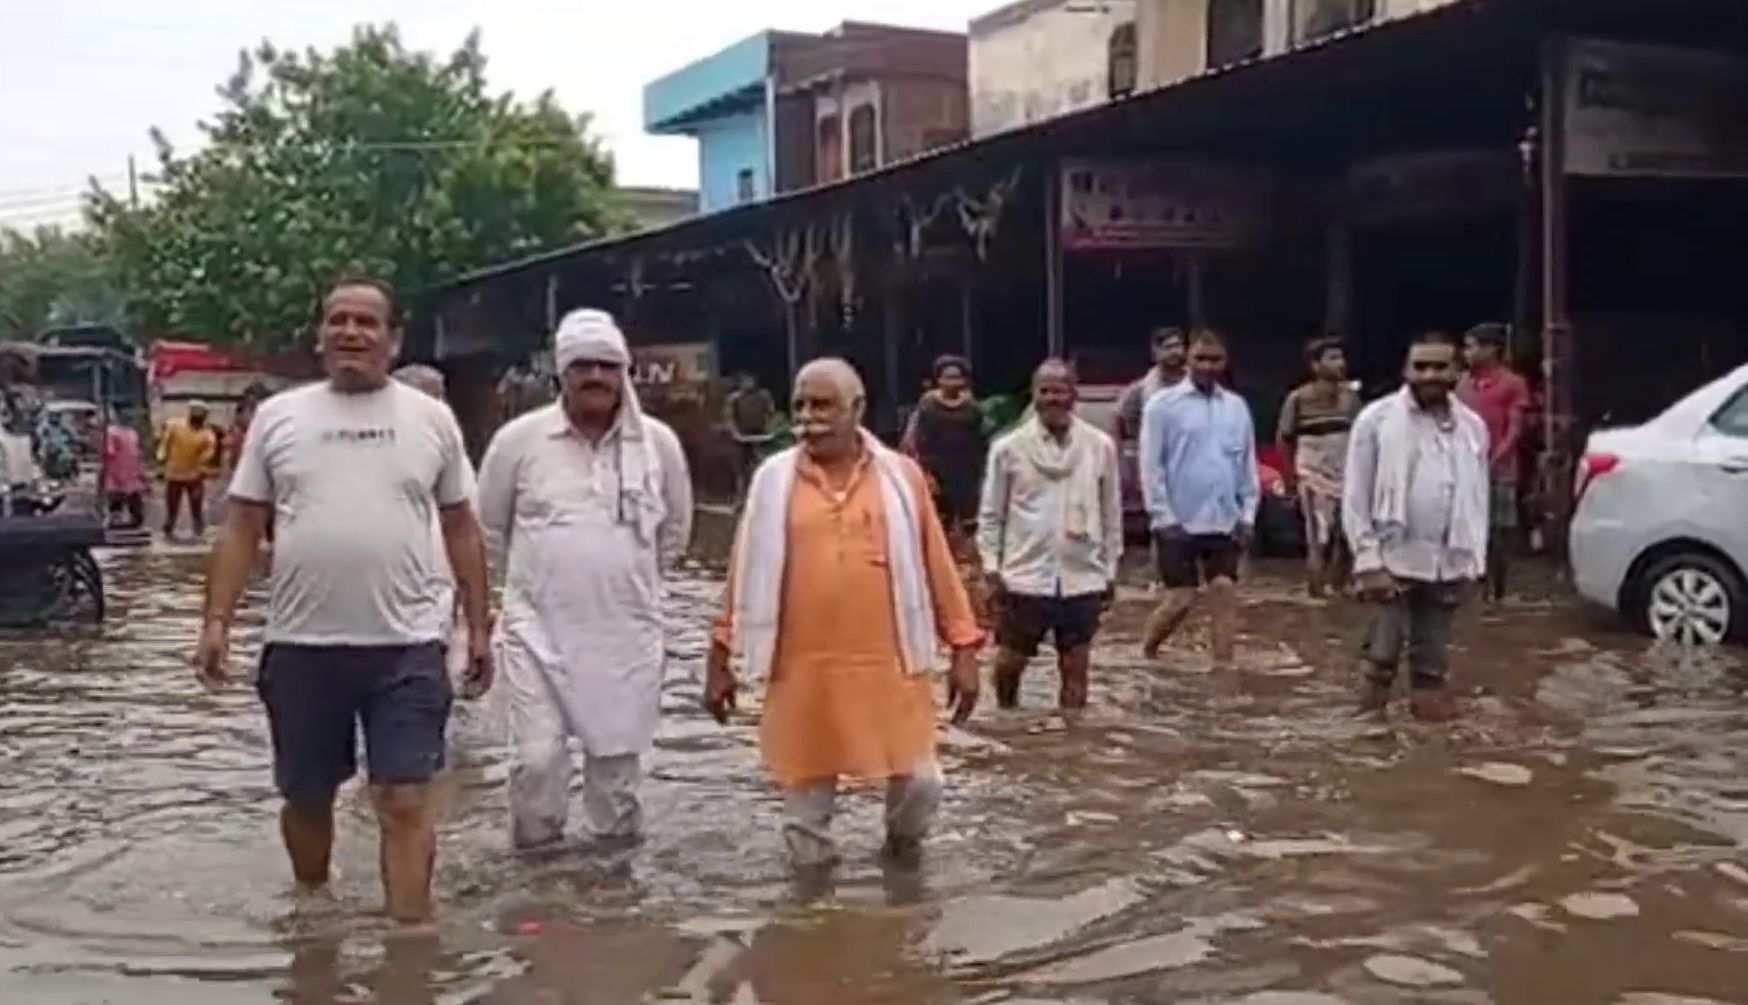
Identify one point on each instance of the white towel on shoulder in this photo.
(1077, 460)
(760, 550)
(1396, 458)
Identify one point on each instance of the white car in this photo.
(1660, 530)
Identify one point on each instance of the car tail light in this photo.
(1592, 467)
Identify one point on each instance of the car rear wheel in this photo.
(1692, 599)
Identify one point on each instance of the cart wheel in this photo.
(77, 587)
(88, 576)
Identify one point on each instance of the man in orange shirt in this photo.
(843, 587)
(188, 452)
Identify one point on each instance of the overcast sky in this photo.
(81, 81)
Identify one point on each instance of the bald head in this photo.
(1054, 391)
(835, 373)
(1053, 369)
(424, 378)
(829, 401)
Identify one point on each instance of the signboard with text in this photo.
(1146, 204)
(1655, 111)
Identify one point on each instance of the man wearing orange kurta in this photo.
(843, 588)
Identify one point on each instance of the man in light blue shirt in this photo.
(1198, 476)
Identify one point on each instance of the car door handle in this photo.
(1734, 467)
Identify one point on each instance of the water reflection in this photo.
(1212, 838)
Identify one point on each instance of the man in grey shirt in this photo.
(354, 470)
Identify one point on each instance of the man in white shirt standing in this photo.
(353, 470)
(588, 501)
(1050, 534)
(1415, 508)
(429, 379)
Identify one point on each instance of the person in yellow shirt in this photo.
(187, 450)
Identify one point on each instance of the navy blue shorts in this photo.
(1070, 621)
(317, 697)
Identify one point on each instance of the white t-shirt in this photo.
(355, 481)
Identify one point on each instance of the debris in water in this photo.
(1410, 971)
(1600, 906)
(1734, 871)
(1499, 773)
(957, 739)
(1161, 952)
(1567, 647)
(1077, 818)
(1714, 940)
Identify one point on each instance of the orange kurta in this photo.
(840, 702)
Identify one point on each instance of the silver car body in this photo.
(1677, 485)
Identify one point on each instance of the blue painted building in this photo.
(726, 101)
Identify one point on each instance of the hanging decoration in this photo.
(981, 218)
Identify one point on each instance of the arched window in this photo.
(829, 153)
(864, 139)
(1121, 61)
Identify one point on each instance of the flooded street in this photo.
(1580, 837)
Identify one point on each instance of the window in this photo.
(864, 140)
(745, 190)
(1121, 63)
(1731, 418)
(1234, 31)
(1313, 19)
(829, 153)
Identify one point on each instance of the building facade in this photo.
(1036, 59)
(875, 95)
(782, 110)
(724, 102)
(1176, 39)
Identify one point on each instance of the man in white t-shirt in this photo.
(430, 380)
(353, 471)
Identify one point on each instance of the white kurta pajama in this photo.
(585, 531)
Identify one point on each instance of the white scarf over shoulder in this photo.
(761, 551)
(1396, 459)
(1074, 459)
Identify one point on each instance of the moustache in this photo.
(812, 430)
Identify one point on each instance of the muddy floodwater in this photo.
(1580, 837)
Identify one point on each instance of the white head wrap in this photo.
(589, 334)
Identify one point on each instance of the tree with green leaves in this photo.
(50, 278)
(369, 159)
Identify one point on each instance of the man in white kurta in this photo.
(430, 380)
(585, 502)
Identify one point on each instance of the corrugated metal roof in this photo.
(1190, 89)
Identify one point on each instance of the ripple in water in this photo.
(1196, 837)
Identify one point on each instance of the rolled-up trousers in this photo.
(911, 803)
